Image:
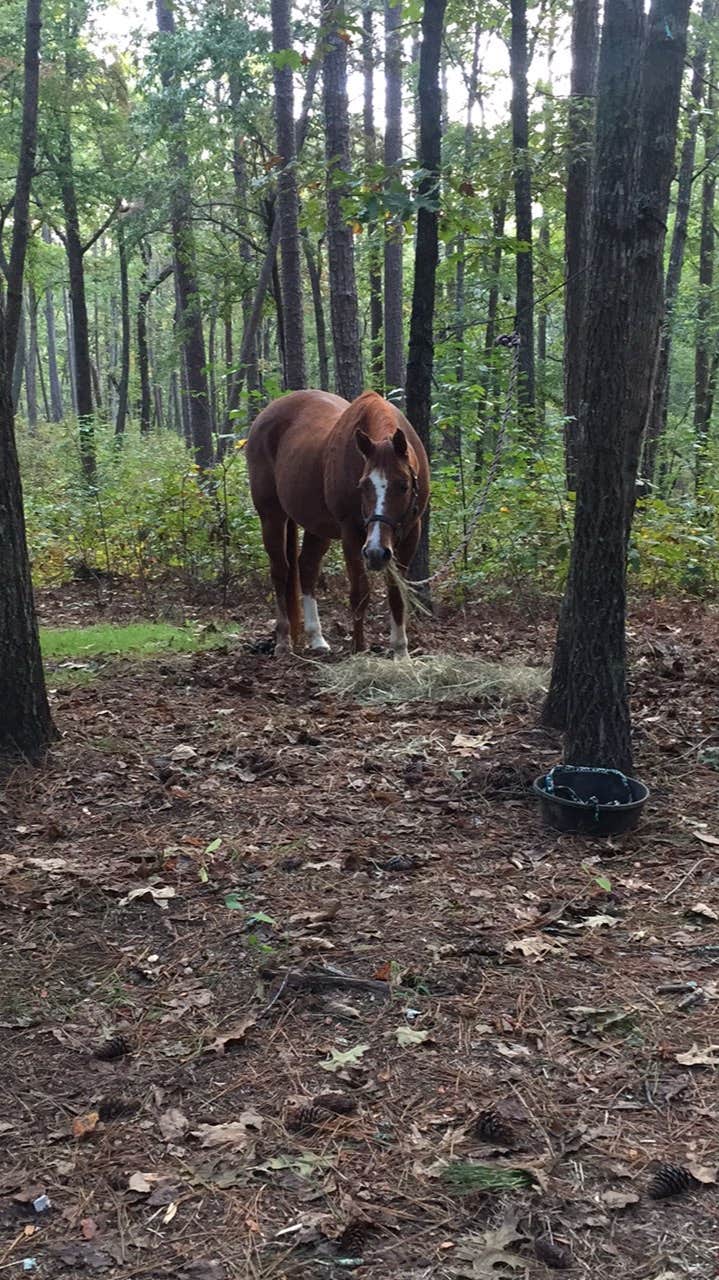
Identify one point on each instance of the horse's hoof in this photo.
(282, 649)
(320, 646)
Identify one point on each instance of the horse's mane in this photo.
(373, 414)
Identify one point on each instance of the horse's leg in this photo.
(274, 536)
(398, 633)
(359, 588)
(313, 549)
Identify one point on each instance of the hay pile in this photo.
(432, 678)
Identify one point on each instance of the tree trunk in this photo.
(421, 329)
(23, 180)
(69, 350)
(452, 439)
(340, 247)
(26, 726)
(313, 271)
(183, 246)
(394, 370)
(577, 210)
(124, 384)
(287, 201)
(56, 404)
(704, 340)
(370, 158)
(80, 345)
(19, 359)
(638, 104)
(656, 425)
(524, 322)
(486, 409)
(31, 361)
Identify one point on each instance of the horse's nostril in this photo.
(386, 553)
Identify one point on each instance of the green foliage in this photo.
(146, 639)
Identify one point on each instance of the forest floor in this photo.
(211, 823)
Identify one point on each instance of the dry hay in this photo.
(432, 678)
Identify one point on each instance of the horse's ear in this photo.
(363, 442)
(399, 440)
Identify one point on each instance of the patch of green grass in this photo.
(86, 649)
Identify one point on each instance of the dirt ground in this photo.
(215, 845)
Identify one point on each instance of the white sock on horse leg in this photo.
(313, 626)
(398, 639)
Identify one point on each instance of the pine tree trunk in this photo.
(656, 425)
(394, 368)
(19, 359)
(577, 210)
(288, 202)
(524, 322)
(124, 383)
(31, 362)
(69, 349)
(23, 180)
(340, 246)
(183, 245)
(26, 726)
(637, 111)
(313, 271)
(421, 330)
(56, 404)
(80, 344)
(486, 409)
(374, 263)
(705, 337)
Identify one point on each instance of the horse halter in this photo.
(395, 525)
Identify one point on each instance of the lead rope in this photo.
(511, 340)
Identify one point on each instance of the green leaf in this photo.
(214, 845)
(339, 1059)
(233, 902)
(408, 1037)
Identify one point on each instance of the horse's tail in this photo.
(292, 590)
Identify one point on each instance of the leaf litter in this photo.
(302, 836)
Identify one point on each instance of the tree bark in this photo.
(656, 425)
(23, 180)
(394, 369)
(421, 330)
(56, 403)
(639, 85)
(705, 337)
(374, 264)
(26, 726)
(31, 361)
(287, 201)
(577, 210)
(340, 246)
(19, 360)
(80, 345)
(524, 321)
(486, 409)
(314, 273)
(183, 245)
(124, 383)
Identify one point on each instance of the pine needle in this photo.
(466, 1177)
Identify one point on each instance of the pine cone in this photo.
(670, 1180)
(492, 1126)
(111, 1050)
(115, 1109)
(553, 1255)
(352, 1241)
(308, 1117)
(339, 1103)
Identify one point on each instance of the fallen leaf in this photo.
(534, 948)
(466, 743)
(619, 1199)
(83, 1126)
(229, 1040)
(84, 1256)
(173, 1124)
(707, 1174)
(338, 1059)
(89, 1228)
(203, 1269)
(183, 752)
(306, 1163)
(143, 1182)
(407, 1036)
(160, 895)
(489, 1255)
(696, 1057)
(600, 922)
(310, 918)
(706, 838)
(701, 909)
(169, 1213)
(238, 1134)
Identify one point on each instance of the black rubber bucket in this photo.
(590, 802)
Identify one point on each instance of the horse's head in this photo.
(389, 494)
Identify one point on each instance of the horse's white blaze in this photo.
(379, 480)
(313, 626)
(398, 639)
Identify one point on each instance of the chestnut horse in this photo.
(357, 473)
